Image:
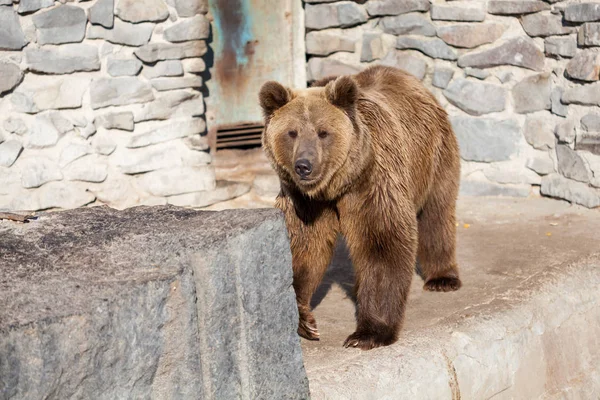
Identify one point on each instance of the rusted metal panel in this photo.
(253, 41)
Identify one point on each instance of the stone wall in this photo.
(100, 102)
(518, 78)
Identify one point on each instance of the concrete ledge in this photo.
(151, 302)
(526, 324)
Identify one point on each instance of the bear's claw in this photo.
(443, 284)
(368, 341)
(308, 331)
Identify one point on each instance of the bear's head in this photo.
(309, 134)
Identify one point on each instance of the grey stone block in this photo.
(63, 59)
(583, 94)
(528, 55)
(340, 14)
(184, 305)
(545, 25)
(558, 107)
(86, 169)
(589, 34)
(102, 13)
(319, 68)
(591, 122)
(372, 47)
(393, 7)
(9, 152)
(117, 120)
(168, 131)
(433, 47)
(63, 24)
(32, 97)
(171, 104)
(123, 67)
(564, 46)
(164, 68)
(516, 7)
(486, 140)
(477, 73)
(186, 82)
(12, 37)
(539, 133)
(411, 64)
(476, 98)
(106, 92)
(77, 148)
(585, 66)
(39, 170)
(459, 11)
(571, 164)
(29, 6)
(532, 94)
(10, 76)
(555, 185)
(189, 8)
(195, 28)
(441, 77)
(541, 164)
(123, 33)
(588, 141)
(153, 52)
(470, 35)
(409, 24)
(584, 12)
(329, 41)
(136, 11)
(565, 131)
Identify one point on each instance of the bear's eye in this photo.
(293, 134)
(323, 134)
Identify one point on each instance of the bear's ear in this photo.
(273, 96)
(343, 93)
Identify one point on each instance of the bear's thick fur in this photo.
(372, 157)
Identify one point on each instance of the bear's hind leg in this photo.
(437, 244)
(313, 230)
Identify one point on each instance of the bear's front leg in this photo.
(313, 228)
(383, 247)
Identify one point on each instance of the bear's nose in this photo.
(303, 167)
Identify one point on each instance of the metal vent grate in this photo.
(239, 137)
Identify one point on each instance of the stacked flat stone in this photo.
(519, 78)
(100, 103)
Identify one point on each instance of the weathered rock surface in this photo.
(571, 164)
(153, 52)
(476, 98)
(164, 84)
(486, 140)
(585, 66)
(589, 34)
(119, 120)
(119, 91)
(584, 12)
(10, 76)
(123, 67)
(37, 171)
(171, 104)
(142, 11)
(459, 11)
(30, 6)
(392, 7)
(11, 33)
(164, 68)
(63, 24)
(102, 13)
(87, 169)
(433, 47)
(319, 68)
(195, 28)
(224, 190)
(555, 185)
(63, 59)
(340, 14)
(477, 73)
(520, 52)
(558, 107)
(9, 152)
(441, 77)
(122, 33)
(585, 95)
(532, 94)
(51, 195)
(515, 7)
(470, 35)
(178, 180)
(565, 131)
(43, 93)
(541, 163)
(563, 46)
(171, 130)
(545, 25)
(539, 133)
(328, 41)
(409, 24)
(189, 8)
(406, 62)
(148, 332)
(591, 122)
(372, 47)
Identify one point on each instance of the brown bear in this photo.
(372, 157)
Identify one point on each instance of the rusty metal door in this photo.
(253, 41)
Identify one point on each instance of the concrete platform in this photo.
(525, 325)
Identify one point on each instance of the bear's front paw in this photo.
(307, 326)
(443, 284)
(369, 340)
